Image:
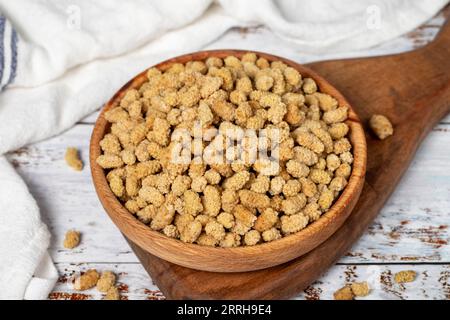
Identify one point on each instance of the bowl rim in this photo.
(143, 235)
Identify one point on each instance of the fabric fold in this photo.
(24, 238)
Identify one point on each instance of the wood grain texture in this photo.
(386, 85)
(406, 230)
(432, 282)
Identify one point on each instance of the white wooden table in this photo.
(412, 231)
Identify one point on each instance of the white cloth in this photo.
(64, 58)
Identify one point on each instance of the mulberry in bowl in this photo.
(228, 161)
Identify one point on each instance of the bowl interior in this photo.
(255, 257)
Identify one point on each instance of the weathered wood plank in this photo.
(413, 226)
(133, 282)
(432, 282)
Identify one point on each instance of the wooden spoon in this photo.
(413, 90)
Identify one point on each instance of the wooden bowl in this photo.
(238, 259)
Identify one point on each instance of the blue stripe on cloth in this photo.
(2, 46)
(14, 40)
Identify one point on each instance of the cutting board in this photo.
(413, 90)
